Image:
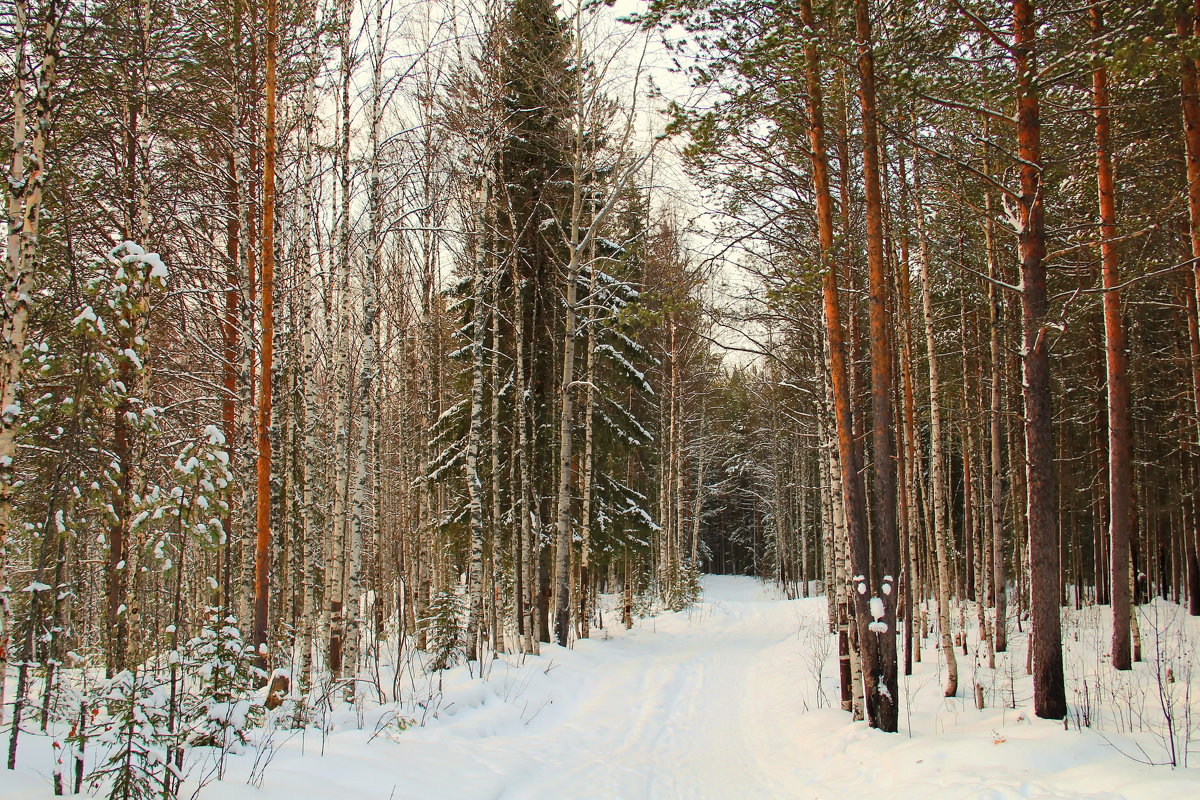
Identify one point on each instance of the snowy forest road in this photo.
(678, 712)
(727, 700)
(687, 705)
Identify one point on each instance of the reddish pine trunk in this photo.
(1120, 467)
(262, 551)
(1185, 24)
(852, 480)
(1049, 693)
(882, 688)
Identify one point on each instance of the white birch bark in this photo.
(308, 358)
(23, 212)
(479, 318)
(336, 577)
(365, 404)
(941, 534)
(19, 281)
(567, 411)
(587, 477)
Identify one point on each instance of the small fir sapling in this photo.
(689, 590)
(444, 624)
(224, 663)
(130, 726)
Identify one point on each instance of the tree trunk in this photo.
(308, 356)
(1186, 22)
(262, 552)
(942, 540)
(995, 436)
(336, 572)
(1050, 700)
(1120, 465)
(587, 477)
(848, 456)
(562, 611)
(19, 277)
(882, 686)
(479, 318)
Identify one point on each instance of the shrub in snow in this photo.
(680, 586)
(131, 726)
(646, 600)
(444, 631)
(689, 591)
(223, 710)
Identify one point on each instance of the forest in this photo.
(366, 361)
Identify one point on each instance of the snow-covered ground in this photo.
(729, 699)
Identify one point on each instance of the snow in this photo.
(624, 363)
(877, 610)
(132, 355)
(86, 315)
(733, 698)
(158, 270)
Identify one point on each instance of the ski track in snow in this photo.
(668, 710)
(715, 702)
(681, 712)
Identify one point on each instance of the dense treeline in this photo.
(976, 224)
(330, 328)
(339, 331)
